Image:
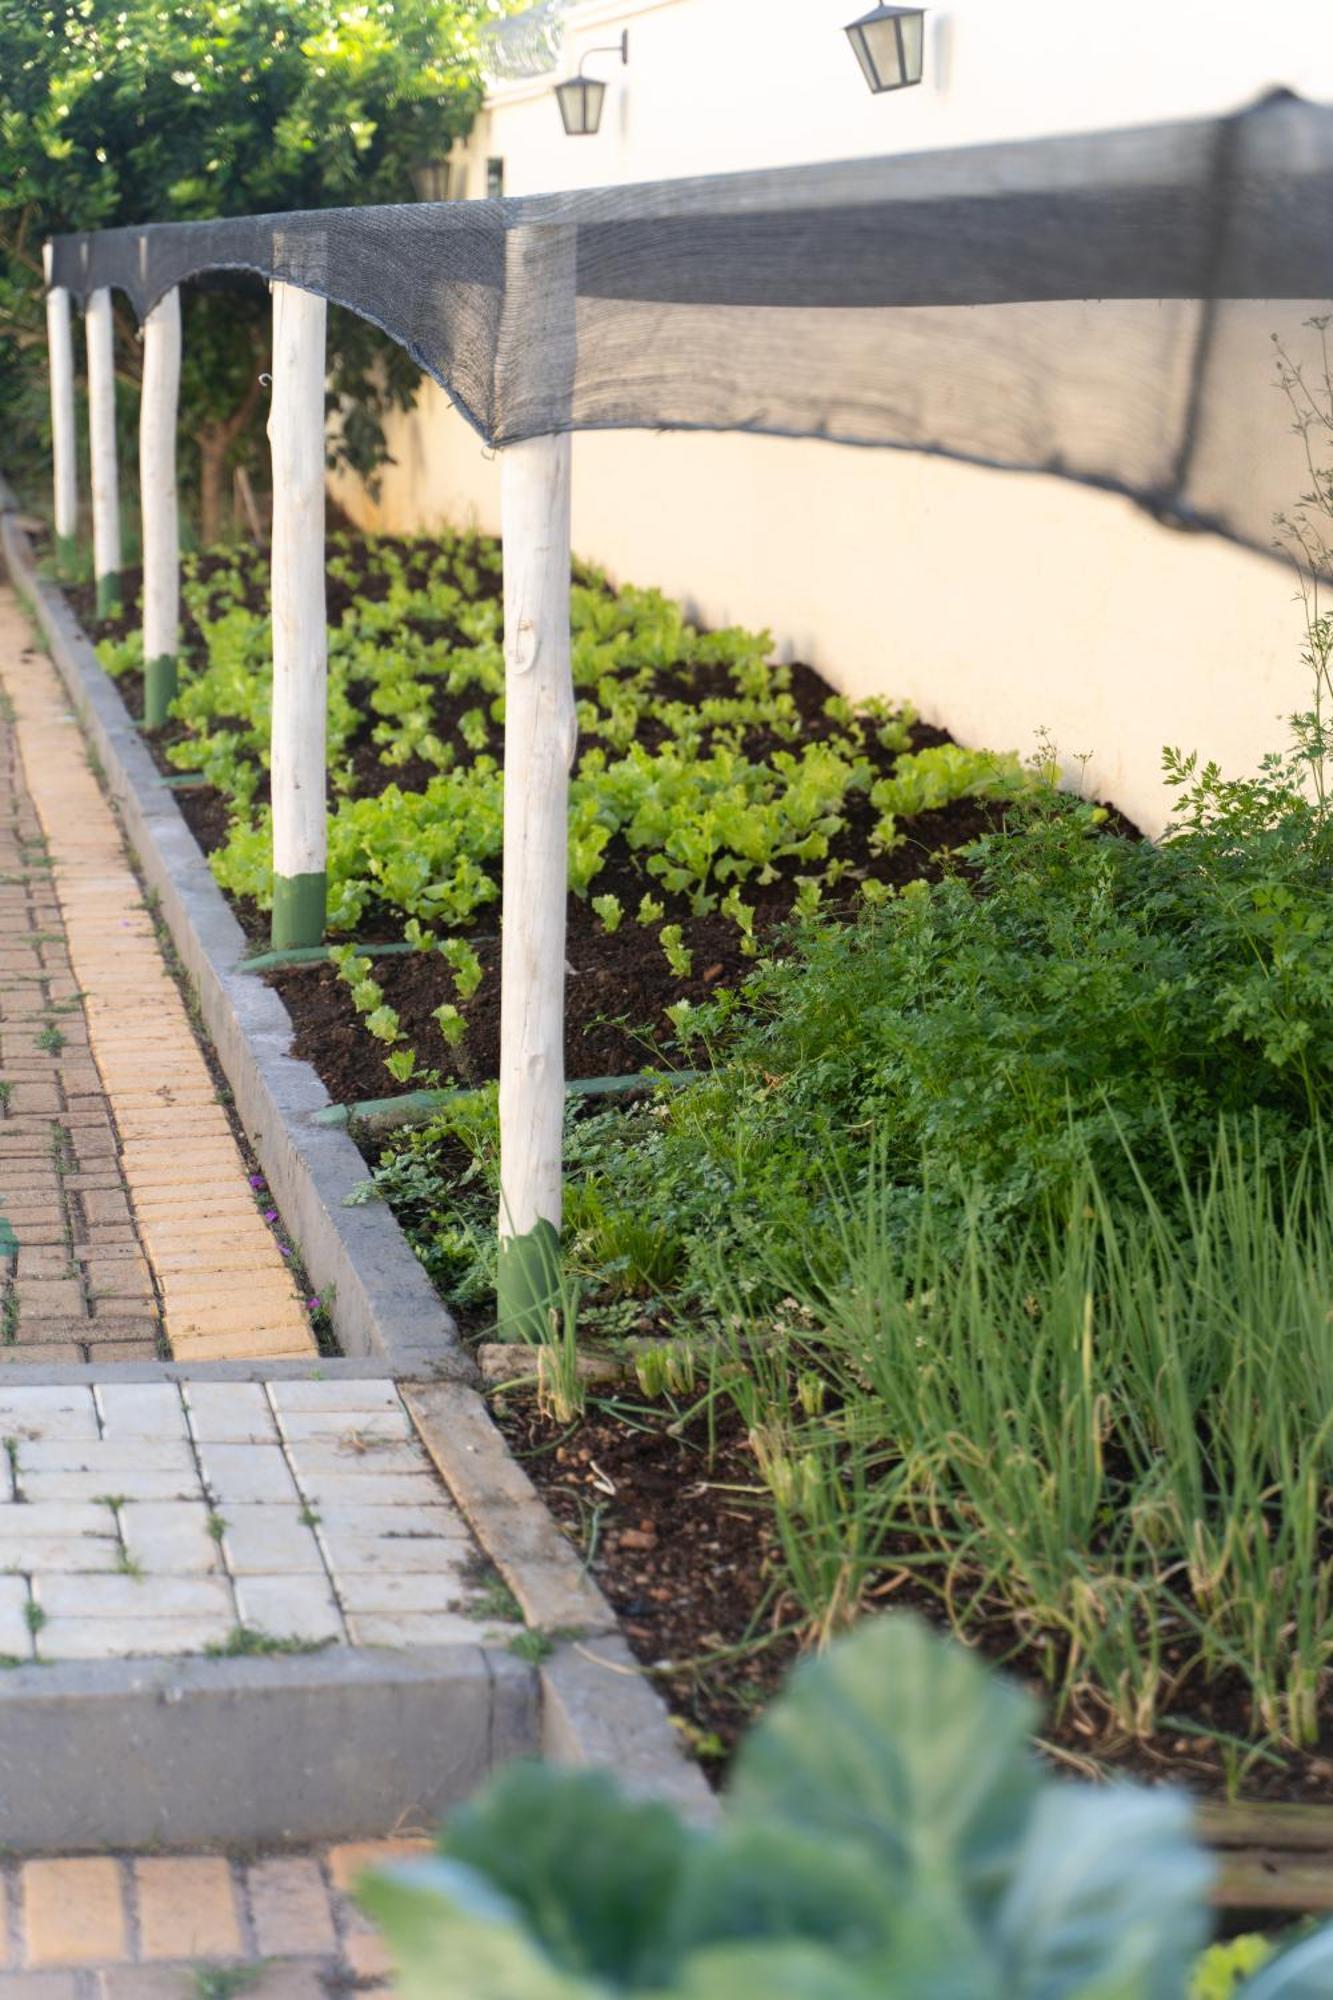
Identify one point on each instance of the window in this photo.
(495, 179)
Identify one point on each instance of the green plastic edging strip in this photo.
(185, 780)
(159, 689)
(527, 1284)
(299, 904)
(317, 954)
(414, 1107)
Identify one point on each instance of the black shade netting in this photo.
(1100, 306)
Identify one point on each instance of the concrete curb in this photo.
(248, 1751)
(382, 1302)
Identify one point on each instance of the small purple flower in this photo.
(256, 1180)
(313, 1304)
(270, 1215)
(284, 1249)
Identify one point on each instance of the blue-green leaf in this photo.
(1107, 1900)
(453, 1938)
(899, 1740)
(593, 1874)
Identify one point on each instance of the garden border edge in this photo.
(382, 1303)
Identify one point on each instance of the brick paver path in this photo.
(154, 1927)
(128, 1228)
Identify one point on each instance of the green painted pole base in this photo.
(108, 594)
(67, 555)
(527, 1284)
(159, 689)
(299, 903)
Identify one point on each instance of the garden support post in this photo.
(102, 448)
(300, 641)
(540, 730)
(157, 499)
(64, 449)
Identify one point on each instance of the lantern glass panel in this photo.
(580, 99)
(889, 46)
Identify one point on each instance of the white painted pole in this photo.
(157, 500)
(64, 448)
(98, 332)
(540, 734)
(300, 644)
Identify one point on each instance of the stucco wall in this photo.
(1000, 604)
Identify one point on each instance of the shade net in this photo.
(1101, 306)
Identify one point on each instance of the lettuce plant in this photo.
(888, 1835)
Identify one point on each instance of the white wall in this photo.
(1000, 604)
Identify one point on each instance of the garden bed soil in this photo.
(684, 1550)
(616, 991)
(620, 984)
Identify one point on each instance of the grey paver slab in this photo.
(289, 1607)
(107, 1456)
(425, 1628)
(241, 1473)
(370, 1458)
(271, 1540)
(55, 1412)
(435, 1518)
(389, 1489)
(230, 1412)
(371, 1591)
(403, 1555)
(141, 1410)
(23, 1547)
(121, 1597)
(341, 1394)
(330, 1424)
(145, 1484)
(126, 1638)
(170, 1537)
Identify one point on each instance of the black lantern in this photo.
(432, 179)
(890, 46)
(581, 97)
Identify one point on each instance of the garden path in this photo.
(129, 1228)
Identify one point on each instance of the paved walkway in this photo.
(128, 1226)
(148, 1927)
(160, 1518)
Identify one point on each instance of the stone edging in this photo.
(382, 1301)
(302, 1748)
(597, 1706)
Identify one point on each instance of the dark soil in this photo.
(690, 1564)
(616, 992)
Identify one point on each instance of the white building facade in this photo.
(999, 604)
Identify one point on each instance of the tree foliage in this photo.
(125, 111)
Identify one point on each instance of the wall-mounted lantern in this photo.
(580, 97)
(890, 45)
(432, 179)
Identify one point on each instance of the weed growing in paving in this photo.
(247, 1642)
(51, 1039)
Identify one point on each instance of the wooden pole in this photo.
(157, 500)
(64, 449)
(300, 645)
(540, 734)
(102, 443)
